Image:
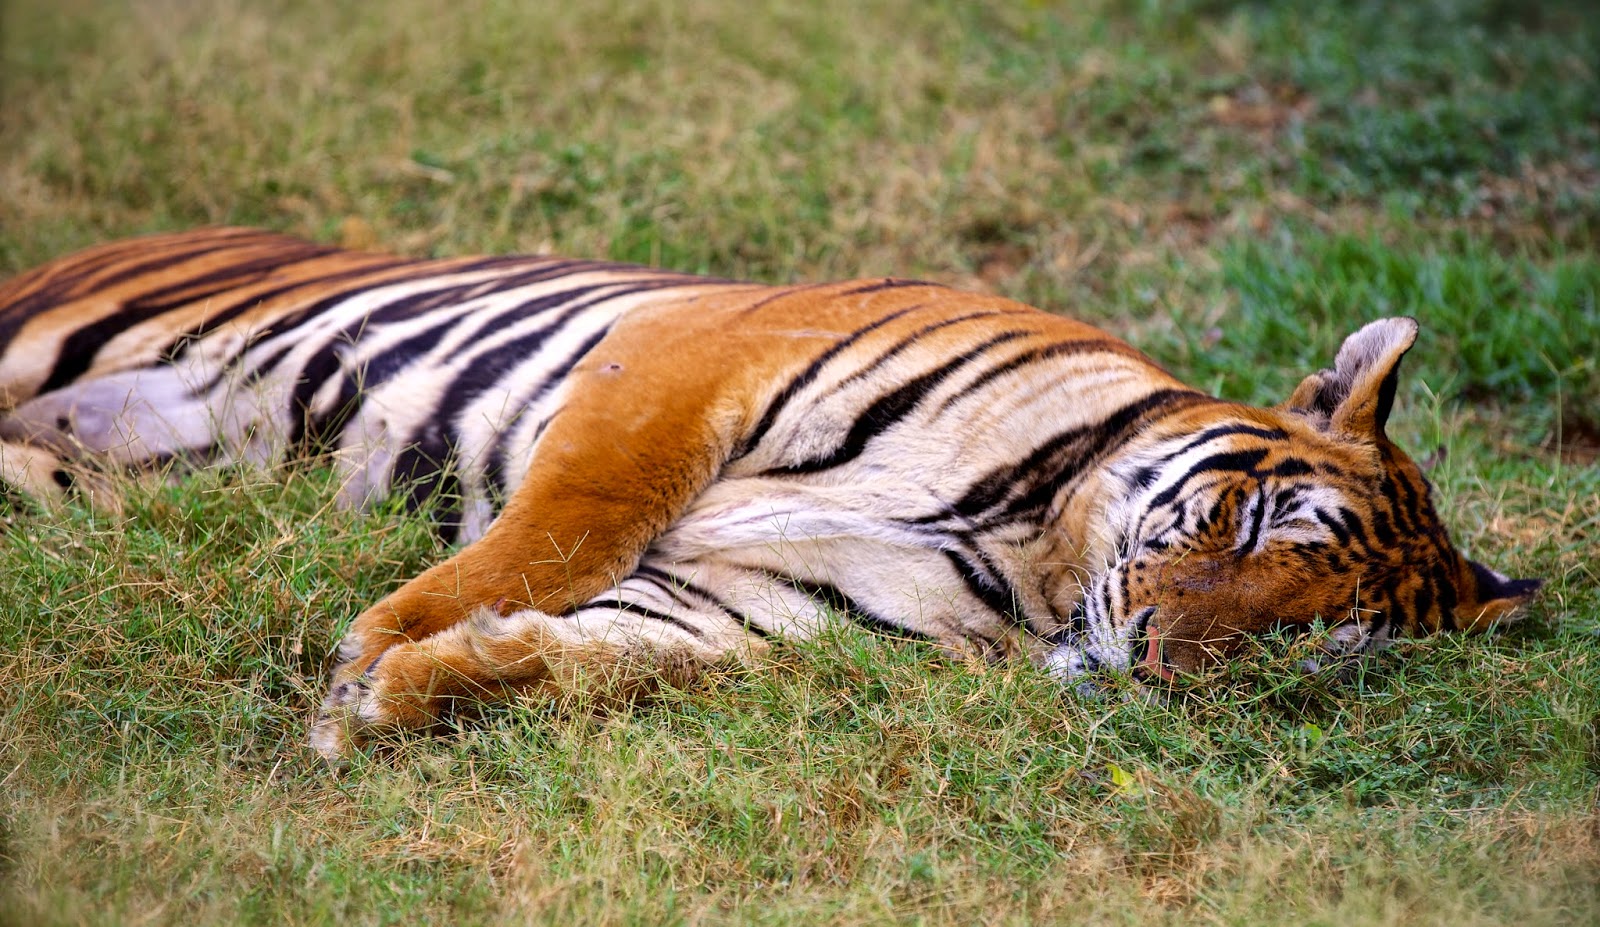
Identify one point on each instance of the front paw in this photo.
(361, 703)
(410, 686)
(342, 726)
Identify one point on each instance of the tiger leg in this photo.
(578, 524)
(616, 648)
(47, 477)
(641, 432)
(33, 471)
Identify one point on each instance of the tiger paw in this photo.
(362, 704)
(409, 686)
(342, 725)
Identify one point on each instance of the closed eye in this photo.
(1292, 519)
(1301, 531)
(1300, 526)
(1251, 522)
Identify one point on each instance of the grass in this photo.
(1233, 186)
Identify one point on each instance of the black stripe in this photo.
(1406, 510)
(434, 446)
(175, 348)
(994, 593)
(1333, 524)
(281, 327)
(1352, 524)
(1033, 355)
(426, 462)
(1215, 514)
(1291, 466)
(79, 348)
(1255, 524)
(887, 283)
(835, 599)
(485, 370)
(435, 292)
(1223, 462)
(330, 357)
(1390, 612)
(673, 585)
(312, 433)
(1124, 586)
(423, 469)
(1444, 589)
(66, 283)
(1223, 431)
(805, 378)
(182, 292)
(1386, 391)
(1035, 480)
(494, 470)
(889, 409)
(181, 252)
(1383, 528)
(905, 343)
(321, 365)
(567, 301)
(630, 608)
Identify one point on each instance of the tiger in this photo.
(643, 467)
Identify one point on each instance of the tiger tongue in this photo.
(1152, 661)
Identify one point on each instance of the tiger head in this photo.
(1232, 525)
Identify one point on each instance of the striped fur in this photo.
(643, 463)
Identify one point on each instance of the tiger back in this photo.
(644, 462)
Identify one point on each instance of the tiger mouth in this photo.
(1146, 637)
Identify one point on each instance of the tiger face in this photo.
(1266, 518)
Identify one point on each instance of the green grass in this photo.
(1233, 186)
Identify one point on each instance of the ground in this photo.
(1231, 186)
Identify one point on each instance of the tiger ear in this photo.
(1355, 396)
(1494, 599)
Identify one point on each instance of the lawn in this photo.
(1230, 186)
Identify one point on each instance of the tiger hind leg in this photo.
(79, 437)
(37, 473)
(45, 477)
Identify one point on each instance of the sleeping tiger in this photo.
(646, 465)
